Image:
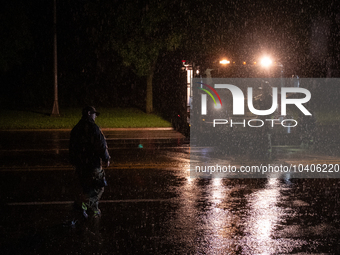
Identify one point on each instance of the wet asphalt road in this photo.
(152, 206)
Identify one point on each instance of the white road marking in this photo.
(101, 201)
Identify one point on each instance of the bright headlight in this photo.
(224, 62)
(266, 62)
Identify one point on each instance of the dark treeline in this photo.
(108, 49)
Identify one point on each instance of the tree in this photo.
(142, 30)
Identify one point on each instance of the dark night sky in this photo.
(303, 35)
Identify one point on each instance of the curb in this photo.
(103, 129)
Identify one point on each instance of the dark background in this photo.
(302, 35)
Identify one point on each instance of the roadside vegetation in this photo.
(327, 117)
(109, 118)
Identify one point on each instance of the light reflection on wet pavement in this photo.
(152, 206)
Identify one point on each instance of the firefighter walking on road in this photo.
(88, 151)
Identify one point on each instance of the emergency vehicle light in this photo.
(224, 62)
(266, 62)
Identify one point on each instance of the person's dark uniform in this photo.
(88, 149)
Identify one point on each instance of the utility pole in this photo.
(55, 110)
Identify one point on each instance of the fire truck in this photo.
(266, 73)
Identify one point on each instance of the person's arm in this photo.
(101, 146)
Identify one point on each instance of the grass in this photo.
(109, 118)
(327, 117)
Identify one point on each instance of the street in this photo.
(153, 206)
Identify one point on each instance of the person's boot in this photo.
(84, 208)
(97, 213)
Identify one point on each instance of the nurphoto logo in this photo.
(278, 100)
